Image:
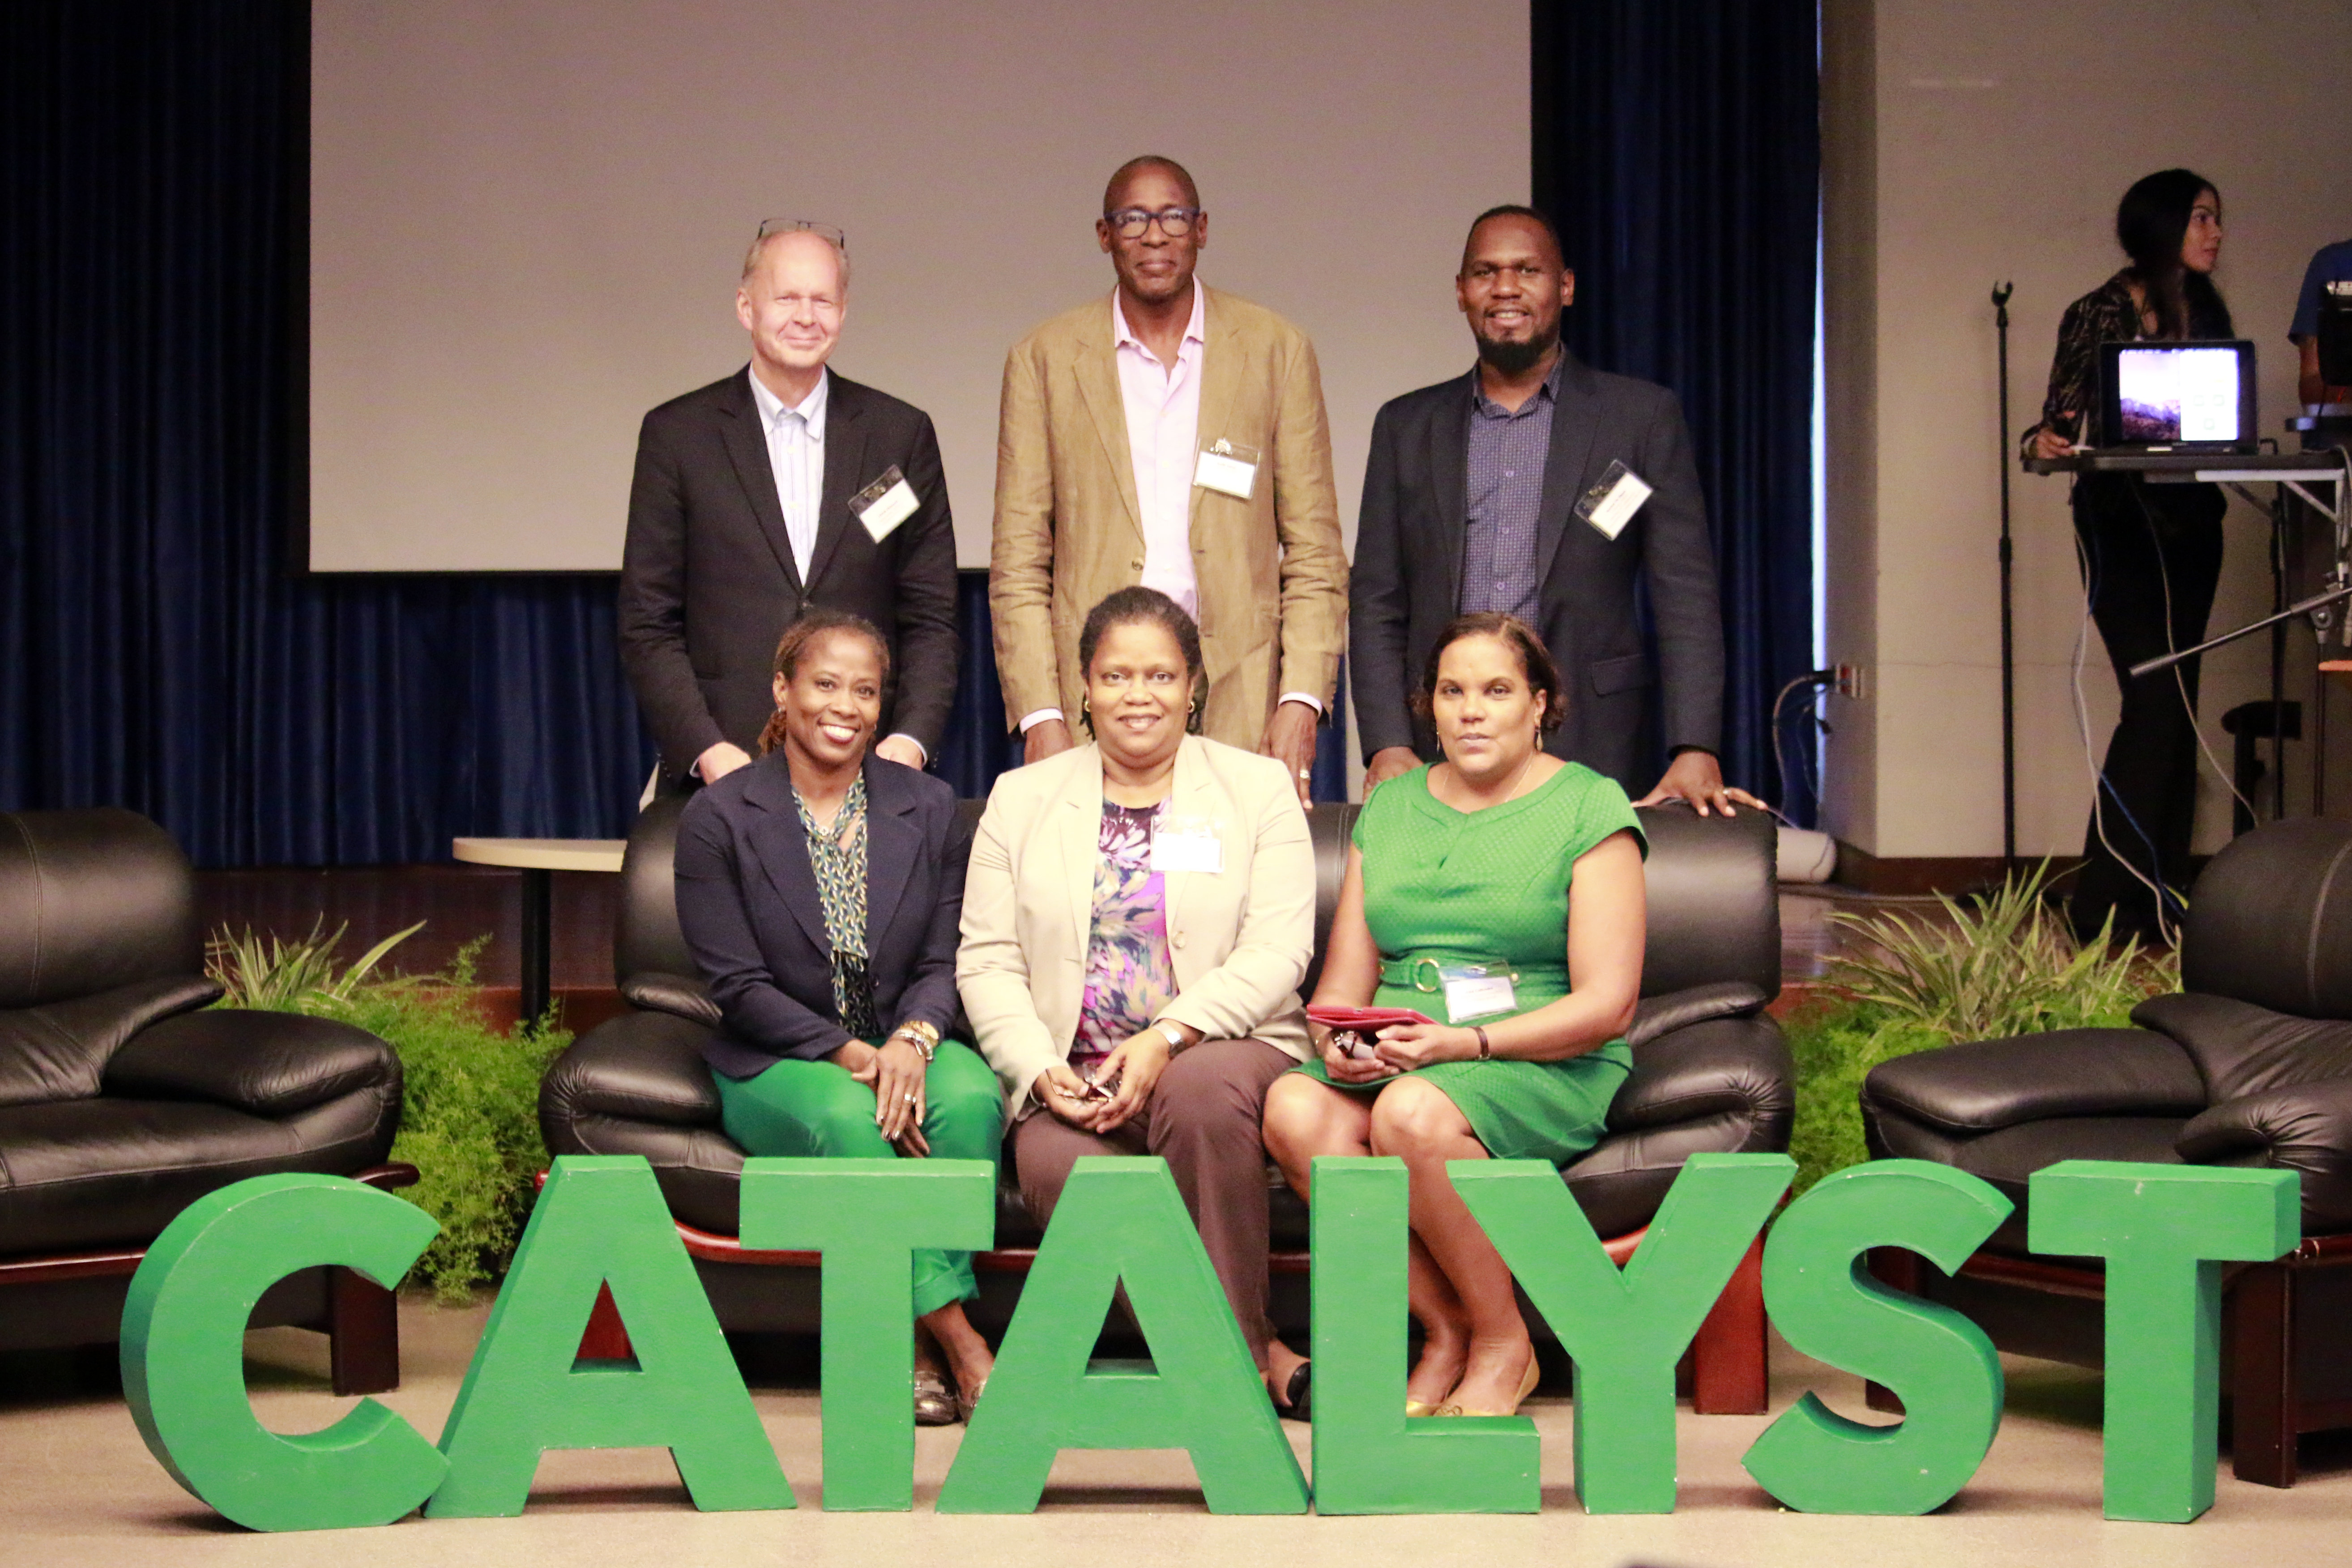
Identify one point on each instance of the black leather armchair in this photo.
(123, 1098)
(1711, 1073)
(2248, 1065)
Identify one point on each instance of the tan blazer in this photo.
(1239, 939)
(1273, 573)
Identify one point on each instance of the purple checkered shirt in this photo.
(1507, 472)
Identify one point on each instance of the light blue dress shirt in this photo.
(796, 457)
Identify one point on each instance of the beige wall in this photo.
(1990, 141)
(527, 219)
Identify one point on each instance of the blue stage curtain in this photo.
(1677, 147)
(155, 650)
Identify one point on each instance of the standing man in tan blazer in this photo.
(1172, 435)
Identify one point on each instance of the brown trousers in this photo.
(1204, 1119)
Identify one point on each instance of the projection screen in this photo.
(528, 219)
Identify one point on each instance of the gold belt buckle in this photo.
(1437, 975)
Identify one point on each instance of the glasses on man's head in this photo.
(1133, 222)
(775, 225)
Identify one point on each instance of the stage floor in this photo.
(76, 1485)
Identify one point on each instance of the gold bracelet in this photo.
(924, 1036)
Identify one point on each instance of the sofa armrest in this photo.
(267, 1064)
(641, 1066)
(2304, 1127)
(675, 994)
(1985, 1085)
(1656, 1015)
(1717, 1066)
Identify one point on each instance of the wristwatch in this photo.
(923, 1036)
(1174, 1036)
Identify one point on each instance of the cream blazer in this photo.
(1239, 939)
(1271, 571)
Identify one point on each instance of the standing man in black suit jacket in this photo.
(783, 486)
(1544, 488)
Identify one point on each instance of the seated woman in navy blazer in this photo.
(821, 890)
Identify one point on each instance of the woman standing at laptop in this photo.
(2150, 554)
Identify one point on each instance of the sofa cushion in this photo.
(267, 1064)
(96, 1173)
(2245, 1050)
(1986, 1085)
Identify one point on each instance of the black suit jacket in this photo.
(747, 905)
(1406, 582)
(707, 583)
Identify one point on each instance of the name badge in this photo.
(1474, 990)
(1228, 467)
(1187, 844)
(886, 503)
(1610, 505)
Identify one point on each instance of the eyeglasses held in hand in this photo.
(1133, 222)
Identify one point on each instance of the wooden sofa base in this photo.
(2278, 1381)
(360, 1318)
(1728, 1362)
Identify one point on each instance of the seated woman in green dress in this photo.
(1501, 892)
(820, 889)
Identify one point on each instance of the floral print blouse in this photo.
(1129, 975)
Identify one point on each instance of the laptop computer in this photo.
(2193, 396)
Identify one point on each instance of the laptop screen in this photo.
(2161, 394)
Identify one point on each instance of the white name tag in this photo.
(1610, 505)
(1228, 467)
(886, 503)
(1474, 991)
(1187, 844)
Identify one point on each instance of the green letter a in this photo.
(601, 1221)
(1120, 1220)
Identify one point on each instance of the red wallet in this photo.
(1366, 1019)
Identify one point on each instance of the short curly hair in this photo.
(1142, 606)
(1535, 662)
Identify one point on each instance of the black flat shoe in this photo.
(1300, 1392)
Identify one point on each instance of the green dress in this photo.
(1479, 887)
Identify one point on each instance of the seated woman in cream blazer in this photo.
(1136, 918)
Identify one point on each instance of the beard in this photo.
(1516, 358)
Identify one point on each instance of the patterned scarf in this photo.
(838, 858)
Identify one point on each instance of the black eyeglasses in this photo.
(775, 225)
(1133, 222)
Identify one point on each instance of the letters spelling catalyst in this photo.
(2165, 1231)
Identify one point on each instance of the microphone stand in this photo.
(2000, 293)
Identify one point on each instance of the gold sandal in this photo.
(1526, 1386)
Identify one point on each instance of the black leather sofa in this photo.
(1711, 1073)
(2248, 1065)
(124, 1098)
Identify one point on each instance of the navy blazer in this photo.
(748, 904)
(1406, 583)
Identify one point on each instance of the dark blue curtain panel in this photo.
(1677, 146)
(155, 650)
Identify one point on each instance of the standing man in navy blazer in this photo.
(1482, 494)
(783, 487)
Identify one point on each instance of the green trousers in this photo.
(816, 1109)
